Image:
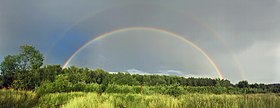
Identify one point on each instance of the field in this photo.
(27, 99)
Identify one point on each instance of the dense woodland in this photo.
(25, 71)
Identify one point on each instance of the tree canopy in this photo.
(25, 71)
(17, 70)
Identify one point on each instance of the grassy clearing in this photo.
(27, 99)
(93, 100)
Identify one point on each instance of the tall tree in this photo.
(23, 67)
(30, 58)
(8, 69)
(243, 84)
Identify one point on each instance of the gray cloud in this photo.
(245, 28)
(150, 51)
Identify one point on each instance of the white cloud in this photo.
(171, 72)
(135, 71)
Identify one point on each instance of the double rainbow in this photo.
(147, 29)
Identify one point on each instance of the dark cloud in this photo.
(242, 31)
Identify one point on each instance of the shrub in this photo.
(175, 91)
(93, 87)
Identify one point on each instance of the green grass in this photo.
(93, 100)
(17, 99)
(27, 99)
(55, 100)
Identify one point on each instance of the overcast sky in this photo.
(241, 36)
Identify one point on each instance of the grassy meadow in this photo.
(28, 99)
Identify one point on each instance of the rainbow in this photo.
(179, 13)
(224, 42)
(149, 29)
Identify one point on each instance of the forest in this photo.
(24, 76)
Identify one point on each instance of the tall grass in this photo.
(230, 101)
(17, 99)
(28, 99)
(55, 100)
(93, 100)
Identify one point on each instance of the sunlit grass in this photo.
(28, 99)
(17, 99)
(57, 99)
(183, 101)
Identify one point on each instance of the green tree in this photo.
(243, 84)
(8, 67)
(124, 79)
(61, 83)
(30, 58)
(157, 80)
(75, 74)
(49, 72)
(25, 66)
(100, 75)
(139, 78)
(90, 76)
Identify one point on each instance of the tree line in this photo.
(25, 71)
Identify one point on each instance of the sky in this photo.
(240, 36)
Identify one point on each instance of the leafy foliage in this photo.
(25, 71)
(20, 71)
(8, 70)
(54, 87)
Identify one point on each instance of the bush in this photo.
(175, 91)
(80, 86)
(45, 88)
(61, 84)
(92, 88)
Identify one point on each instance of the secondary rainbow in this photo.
(148, 29)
